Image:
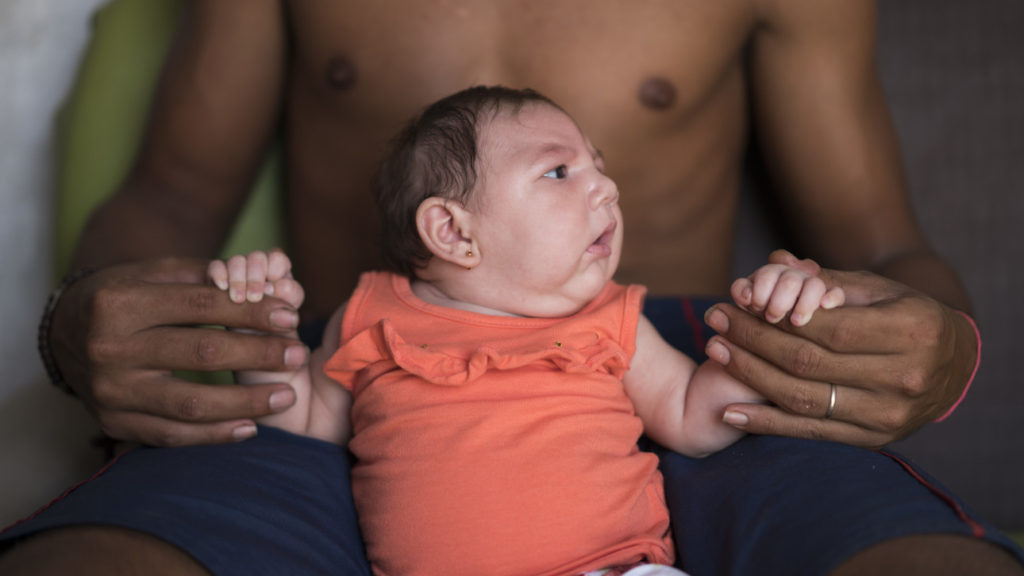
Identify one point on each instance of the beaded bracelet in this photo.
(977, 362)
(45, 354)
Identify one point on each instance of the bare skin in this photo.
(663, 91)
(662, 88)
(88, 550)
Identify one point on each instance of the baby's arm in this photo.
(321, 406)
(682, 404)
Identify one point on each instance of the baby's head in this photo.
(495, 197)
(436, 155)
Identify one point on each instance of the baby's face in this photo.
(547, 218)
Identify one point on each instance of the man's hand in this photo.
(898, 359)
(118, 334)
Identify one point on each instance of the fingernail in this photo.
(294, 356)
(243, 432)
(236, 295)
(717, 352)
(717, 320)
(268, 289)
(735, 418)
(222, 284)
(282, 318)
(830, 301)
(281, 399)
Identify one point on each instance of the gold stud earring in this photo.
(469, 253)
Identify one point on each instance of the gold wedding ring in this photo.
(831, 402)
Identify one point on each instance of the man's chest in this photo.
(656, 61)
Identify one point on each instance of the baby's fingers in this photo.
(256, 276)
(742, 292)
(236, 278)
(834, 298)
(278, 265)
(764, 283)
(217, 272)
(784, 295)
(287, 289)
(811, 298)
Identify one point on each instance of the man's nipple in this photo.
(657, 93)
(341, 73)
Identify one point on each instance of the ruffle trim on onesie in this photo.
(380, 349)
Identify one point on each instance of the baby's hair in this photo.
(436, 155)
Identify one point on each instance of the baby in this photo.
(493, 385)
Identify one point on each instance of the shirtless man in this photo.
(666, 89)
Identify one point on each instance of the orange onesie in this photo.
(492, 445)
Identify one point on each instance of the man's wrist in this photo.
(45, 324)
(974, 372)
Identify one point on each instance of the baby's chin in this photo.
(559, 307)
(557, 300)
(555, 312)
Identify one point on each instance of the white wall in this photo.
(40, 44)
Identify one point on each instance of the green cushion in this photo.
(100, 126)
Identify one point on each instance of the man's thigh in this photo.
(100, 550)
(275, 504)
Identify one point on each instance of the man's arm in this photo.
(212, 116)
(899, 355)
(116, 335)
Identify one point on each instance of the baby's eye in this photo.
(558, 173)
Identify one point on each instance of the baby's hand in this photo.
(258, 274)
(777, 289)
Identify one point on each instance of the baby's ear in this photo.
(444, 228)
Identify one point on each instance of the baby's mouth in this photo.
(603, 245)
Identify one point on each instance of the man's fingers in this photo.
(187, 402)
(210, 349)
(801, 396)
(764, 419)
(869, 410)
(168, 270)
(814, 357)
(862, 288)
(841, 330)
(185, 304)
(156, 431)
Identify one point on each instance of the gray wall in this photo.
(41, 434)
(954, 74)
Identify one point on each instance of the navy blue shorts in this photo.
(282, 504)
